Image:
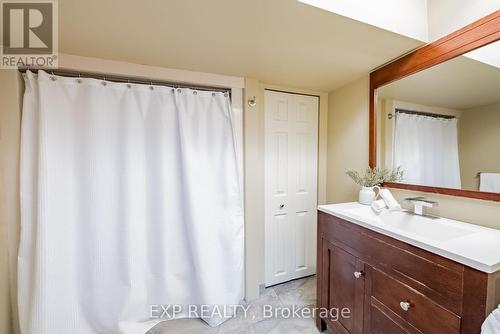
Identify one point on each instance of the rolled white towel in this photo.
(492, 323)
(390, 201)
(379, 205)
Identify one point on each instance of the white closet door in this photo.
(291, 160)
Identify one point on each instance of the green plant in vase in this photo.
(371, 179)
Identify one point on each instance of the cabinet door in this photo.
(345, 288)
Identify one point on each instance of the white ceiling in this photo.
(489, 54)
(460, 83)
(283, 42)
(404, 17)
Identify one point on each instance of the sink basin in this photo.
(472, 245)
(432, 228)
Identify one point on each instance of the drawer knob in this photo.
(405, 306)
(358, 274)
(282, 206)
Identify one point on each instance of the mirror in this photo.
(442, 124)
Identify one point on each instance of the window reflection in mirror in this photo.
(442, 125)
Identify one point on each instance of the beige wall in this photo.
(348, 148)
(10, 118)
(347, 139)
(254, 189)
(479, 141)
(254, 176)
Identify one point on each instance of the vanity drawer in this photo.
(424, 314)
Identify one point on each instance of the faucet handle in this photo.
(421, 201)
(414, 199)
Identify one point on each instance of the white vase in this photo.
(367, 195)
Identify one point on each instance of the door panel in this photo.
(305, 182)
(278, 231)
(291, 158)
(305, 258)
(281, 111)
(301, 241)
(278, 182)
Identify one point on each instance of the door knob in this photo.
(282, 206)
(405, 306)
(358, 274)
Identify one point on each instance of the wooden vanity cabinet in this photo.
(391, 287)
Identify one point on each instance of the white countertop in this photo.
(472, 245)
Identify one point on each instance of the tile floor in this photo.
(300, 292)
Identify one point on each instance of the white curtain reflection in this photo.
(426, 148)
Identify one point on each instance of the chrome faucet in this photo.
(419, 203)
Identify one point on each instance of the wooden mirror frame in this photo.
(470, 37)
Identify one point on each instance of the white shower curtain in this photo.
(427, 150)
(130, 198)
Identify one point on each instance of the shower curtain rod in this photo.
(428, 114)
(123, 79)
